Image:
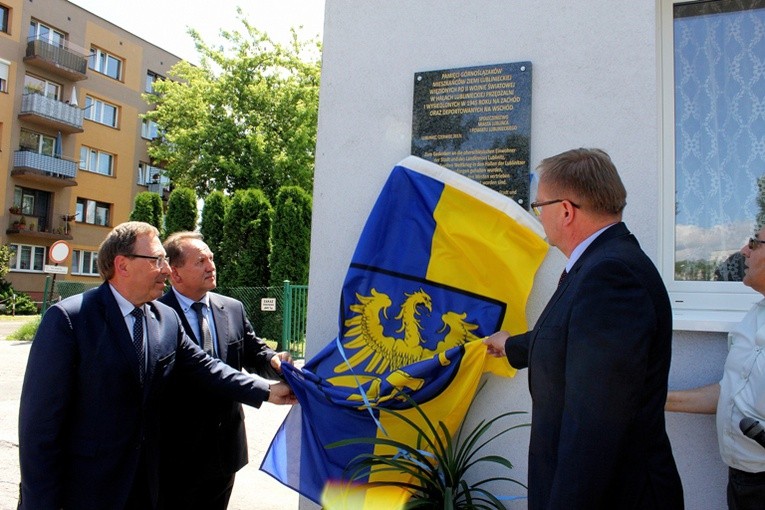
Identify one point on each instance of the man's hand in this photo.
(281, 394)
(495, 343)
(279, 358)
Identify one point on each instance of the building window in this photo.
(5, 68)
(105, 63)
(35, 85)
(41, 32)
(5, 14)
(90, 211)
(713, 153)
(148, 129)
(37, 142)
(25, 257)
(151, 77)
(34, 204)
(101, 111)
(96, 161)
(84, 262)
(148, 174)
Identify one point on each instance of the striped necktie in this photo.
(137, 313)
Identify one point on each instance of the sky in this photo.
(164, 23)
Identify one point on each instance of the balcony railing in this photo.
(50, 112)
(43, 168)
(62, 60)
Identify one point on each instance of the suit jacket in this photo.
(598, 360)
(206, 436)
(85, 419)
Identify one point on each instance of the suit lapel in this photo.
(619, 229)
(220, 317)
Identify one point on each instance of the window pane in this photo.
(719, 162)
(110, 115)
(104, 163)
(75, 261)
(4, 19)
(25, 259)
(90, 212)
(102, 215)
(14, 256)
(47, 145)
(79, 211)
(39, 259)
(113, 67)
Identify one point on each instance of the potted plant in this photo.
(436, 465)
(22, 223)
(14, 209)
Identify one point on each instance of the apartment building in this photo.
(73, 148)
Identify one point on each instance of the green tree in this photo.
(246, 243)
(246, 117)
(181, 211)
(291, 236)
(213, 216)
(5, 259)
(147, 207)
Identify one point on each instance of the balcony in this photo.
(61, 60)
(37, 227)
(51, 113)
(44, 169)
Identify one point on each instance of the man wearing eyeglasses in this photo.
(740, 394)
(206, 444)
(599, 354)
(89, 419)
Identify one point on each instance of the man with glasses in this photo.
(740, 395)
(89, 416)
(599, 354)
(205, 443)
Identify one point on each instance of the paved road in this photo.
(254, 490)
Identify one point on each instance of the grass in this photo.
(27, 330)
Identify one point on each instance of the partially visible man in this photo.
(740, 394)
(599, 355)
(89, 419)
(206, 443)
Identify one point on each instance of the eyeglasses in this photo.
(755, 243)
(537, 206)
(159, 260)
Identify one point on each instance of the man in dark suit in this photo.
(206, 443)
(599, 355)
(89, 419)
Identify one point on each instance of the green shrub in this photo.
(27, 331)
(16, 302)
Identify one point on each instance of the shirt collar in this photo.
(125, 306)
(186, 302)
(583, 246)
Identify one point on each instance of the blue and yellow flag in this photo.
(442, 261)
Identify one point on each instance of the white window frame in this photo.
(91, 159)
(5, 69)
(46, 144)
(84, 263)
(151, 77)
(95, 108)
(59, 40)
(93, 212)
(100, 60)
(696, 305)
(149, 129)
(47, 88)
(34, 253)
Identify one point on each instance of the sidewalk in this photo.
(254, 490)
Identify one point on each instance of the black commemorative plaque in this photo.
(477, 122)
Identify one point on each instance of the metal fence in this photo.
(276, 313)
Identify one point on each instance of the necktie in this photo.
(137, 313)
(204, 328)
(562, 278)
